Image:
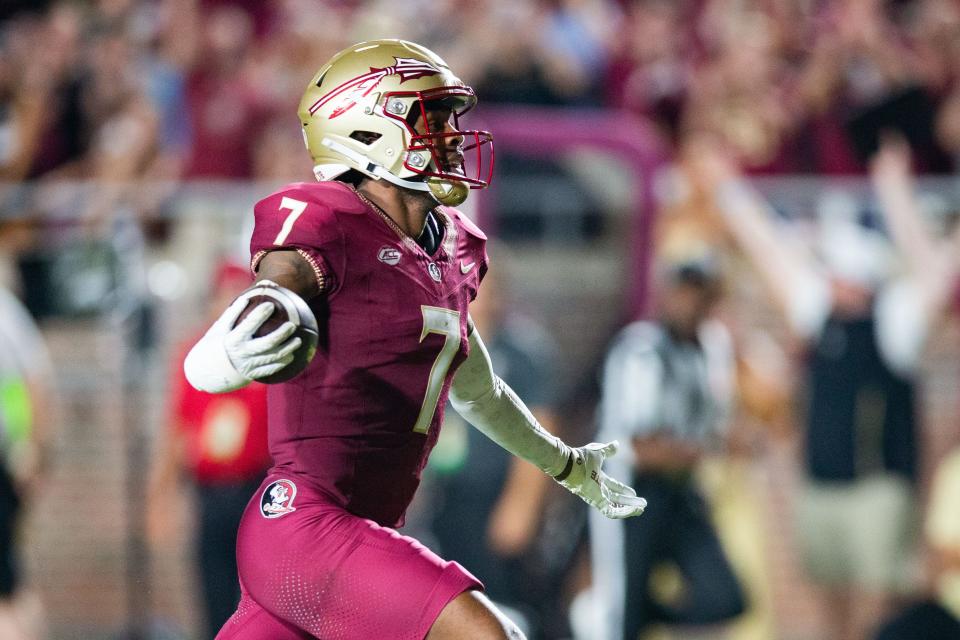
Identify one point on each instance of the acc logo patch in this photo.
(389, 255)
(277, 499)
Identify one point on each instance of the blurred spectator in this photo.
(546, 53)
(856, 60)
(224, 109)
(731, 479)
(25, 420)
(272, 159)
(943, 535)
(517, 68)
(21, 115)
(485, 492)
(667, 391)
(939, 617)
(791, 87)
(12, 8)
(932, 265)
(220, 443)
(854, 513)
(122, 123)
(739, 91)
(164, 45)
(649, 71)
(39, 66)
(948, 126)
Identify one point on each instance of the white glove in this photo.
(228, 358)
(584, 477)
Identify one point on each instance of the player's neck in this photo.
(408, 209)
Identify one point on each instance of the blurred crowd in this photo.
(167, 89)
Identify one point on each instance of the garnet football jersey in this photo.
(360, 421)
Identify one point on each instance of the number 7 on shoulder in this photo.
(296, 208)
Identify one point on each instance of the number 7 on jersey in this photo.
(446, 322)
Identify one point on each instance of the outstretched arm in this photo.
(229, 357)
(486, 401)
(932, 264)
(787, 268)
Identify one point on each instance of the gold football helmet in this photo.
(360, 111)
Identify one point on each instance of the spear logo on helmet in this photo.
(352, 91)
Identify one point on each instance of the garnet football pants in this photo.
(311, 569)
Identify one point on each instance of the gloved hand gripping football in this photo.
(584, 477)
(229, 357)
(254, 357)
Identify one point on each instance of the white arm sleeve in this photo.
(486, 402)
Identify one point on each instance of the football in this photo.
(287, 306)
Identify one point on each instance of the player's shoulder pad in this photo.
(322, 198)
(465, 223)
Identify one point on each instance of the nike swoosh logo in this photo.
(465, 268)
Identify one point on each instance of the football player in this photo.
(388, 268)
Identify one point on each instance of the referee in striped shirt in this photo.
(667, 389)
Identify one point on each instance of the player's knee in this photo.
(472, 615)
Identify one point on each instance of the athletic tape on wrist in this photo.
(560, 477)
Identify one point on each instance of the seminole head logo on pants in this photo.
(277, 499)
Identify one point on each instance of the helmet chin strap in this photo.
(446, 192)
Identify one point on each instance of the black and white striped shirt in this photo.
(654, 383)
